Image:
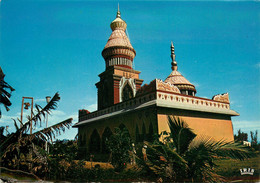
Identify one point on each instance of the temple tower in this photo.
(119, 82)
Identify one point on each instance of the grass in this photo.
(230, 168)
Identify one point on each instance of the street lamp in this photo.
(48, 98)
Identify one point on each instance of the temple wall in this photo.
(216, 126)
(219, 127)
(139, 119)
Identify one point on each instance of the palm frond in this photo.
(225, 149)
(200, 158)
(47, 133)
(52, 131)
(204, 151)
(174, 157)
(181, 134)
(154, 165)
(163, 161)
(18, 135)
(41, 112)
(190, 158)
(5, 92)
(234, 151)
(6, 85)
(15, 124)
(19, 120)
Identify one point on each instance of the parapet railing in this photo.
(160, 96)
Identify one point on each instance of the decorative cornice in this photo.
(221, 97)
(160, 85)
(118, 51)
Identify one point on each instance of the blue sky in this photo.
(55, 45)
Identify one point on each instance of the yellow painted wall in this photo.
(218, 127)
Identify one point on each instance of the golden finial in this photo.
(172, 48)
(118, 15)
(118, 23)
(174, 63)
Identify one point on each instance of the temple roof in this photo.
(118, 38)
(176, 78)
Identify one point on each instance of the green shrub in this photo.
(119, 145)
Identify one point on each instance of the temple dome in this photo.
(118, 38)
(118, 23)
(118, 49)
(177, 79)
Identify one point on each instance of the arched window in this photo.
(127, 93)
(106, 135)
(94, 145)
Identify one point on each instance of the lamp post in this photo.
(48, 98)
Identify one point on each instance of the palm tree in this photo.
(5, 92)
(18, 145)
(182, 157)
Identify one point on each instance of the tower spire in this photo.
(174, 63)
(118, 15)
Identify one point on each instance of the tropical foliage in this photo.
(5, 92)
(254, 142)
(64, 149)
(119, 145)
(182, 156)
(21, 150)
(240, 136)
